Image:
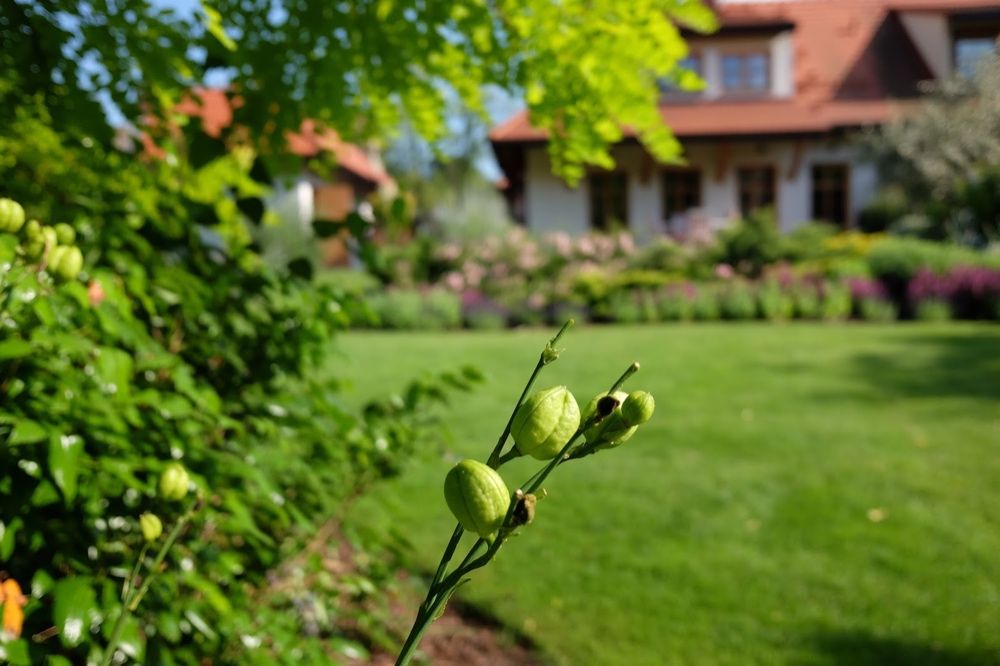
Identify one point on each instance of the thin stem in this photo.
(544, 358)
(507, 457)
(129, 585)
(154, 569)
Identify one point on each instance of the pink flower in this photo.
(724, 271)
(454, 281)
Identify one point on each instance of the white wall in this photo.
(929, 33)
(552, 206)
(293, 200)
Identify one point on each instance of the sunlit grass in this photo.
(805, 493)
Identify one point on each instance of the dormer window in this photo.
(969, 52)
(748, 72)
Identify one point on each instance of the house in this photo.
(301, 197)
(788, 85)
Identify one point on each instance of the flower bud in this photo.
(174, 482)
(612, 430)
(477, 496)
(638, 408)
(151, 526)
(11, 216)
(545, 422)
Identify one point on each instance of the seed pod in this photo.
(33, 230)
(50, 240)
(151, 526)
(174, 482)
(11, 215)
(70, 263)
(477, 496)
(612, 430)
(65, 234)
(638, 408)
(55, 258)
(545, 422)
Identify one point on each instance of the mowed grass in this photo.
(805, 494)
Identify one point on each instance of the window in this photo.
(681, 189)
(691, 63)
(746, 72)
(829, 193)
(608, 200)
(756, 185)
(969, 51)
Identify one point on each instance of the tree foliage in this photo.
(946, 155)
(586, 68)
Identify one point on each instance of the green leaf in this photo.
(57, 660)
(64, 458)
(27, 431)
(131, 641)
(198, 622)
(74, 602)
(213, 23)
(8, 532)
(14, 348)
(15, 652)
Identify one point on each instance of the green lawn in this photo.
(805, 494)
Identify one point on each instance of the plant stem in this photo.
(494, 460)
(129, 605)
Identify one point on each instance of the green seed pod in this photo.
(612, 429)
(33, 230)
(545, 422)
(70, 263)
(477, 496)
(638, 408)
(65, 234)
(49, 238)
(34, 250)
(55, 258)
(151, 526)
(11, 216)
(174, 482)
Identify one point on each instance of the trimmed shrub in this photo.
(736, 301)
(836, 301)
(876, 309)
(933, 309)
(774, 303)
(676, 303)
(705, 304)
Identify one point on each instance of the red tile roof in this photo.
(214, 107)
(854, 66)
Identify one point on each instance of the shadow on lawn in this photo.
(863, 649)
(966, 366)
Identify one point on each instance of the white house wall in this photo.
(552, 206)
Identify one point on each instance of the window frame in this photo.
(606, 224)
(744, 54)
(772, 169)
(698, 189)
(846, 194)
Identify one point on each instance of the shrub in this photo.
(399, 309)
(481, 312)
(808, 242)
(806, 301)
(705, 304)
(898, 259)
(774, 303)
(933, 309)
(888, 206)
(836, 302)
(676, 303)
(876, 309)
(736, 301)
(752, 244)
(442, 309)
(623, 307)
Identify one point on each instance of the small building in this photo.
(788, 85)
